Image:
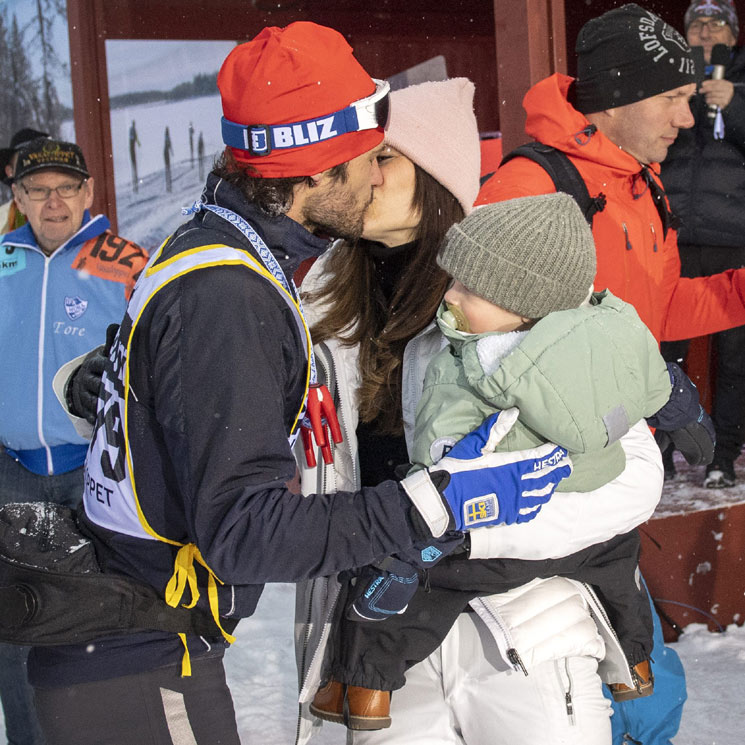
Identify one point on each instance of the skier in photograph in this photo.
(167, 153)
(191, 144)
(191, 483)
(200, 155)
(134, 143)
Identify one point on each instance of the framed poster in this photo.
(165, 130)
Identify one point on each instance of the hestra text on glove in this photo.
(390, 585)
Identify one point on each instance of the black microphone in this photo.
(719, 59)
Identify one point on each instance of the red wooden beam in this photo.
(530, 45)
(90, 95)
(695, 559)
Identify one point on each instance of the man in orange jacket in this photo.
(615, 122)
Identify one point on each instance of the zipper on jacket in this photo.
(654, 235)
(626, 233)
(514, 658)
(40, 366)
(600, 609)
(303, 669)
(568, 694)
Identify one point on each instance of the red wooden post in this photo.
(90, 91)
(531, 45)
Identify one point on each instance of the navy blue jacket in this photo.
(217, 374)
(705, 178)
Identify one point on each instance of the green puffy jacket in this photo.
(580, 378)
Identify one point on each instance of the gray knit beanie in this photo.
(531, 256)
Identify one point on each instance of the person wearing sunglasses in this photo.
(704, 179)
(64, 278)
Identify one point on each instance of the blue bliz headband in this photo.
(262, 139)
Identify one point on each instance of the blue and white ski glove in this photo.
(476, 487)
(386, 588)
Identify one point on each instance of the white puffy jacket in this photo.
(542, 620)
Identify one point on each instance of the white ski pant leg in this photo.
(463, 695)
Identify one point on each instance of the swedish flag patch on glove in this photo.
(479, 510)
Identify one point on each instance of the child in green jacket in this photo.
(527, 337)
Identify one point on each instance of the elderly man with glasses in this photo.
(64, 277)
(704, 176)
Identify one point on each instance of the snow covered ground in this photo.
(261, 673)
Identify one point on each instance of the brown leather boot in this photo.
(356, 707)
(643, 684)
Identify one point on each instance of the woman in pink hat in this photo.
(371, 307)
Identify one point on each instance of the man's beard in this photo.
(336, 213)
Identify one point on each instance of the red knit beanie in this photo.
(294, 75)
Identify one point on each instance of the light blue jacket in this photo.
(50, 313)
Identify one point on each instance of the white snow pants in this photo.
(463, 694)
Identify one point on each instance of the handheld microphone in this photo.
(719, 59)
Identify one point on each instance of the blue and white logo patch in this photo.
(75, 307)
(430, 554)
(259, 144)
(480, 509)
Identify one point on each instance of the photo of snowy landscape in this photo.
(152, 83)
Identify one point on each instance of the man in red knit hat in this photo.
(189, 476)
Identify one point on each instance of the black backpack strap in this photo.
(563, 173)
(668, 219)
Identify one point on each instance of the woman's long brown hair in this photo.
(359, 314)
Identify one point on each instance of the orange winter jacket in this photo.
(635, 262)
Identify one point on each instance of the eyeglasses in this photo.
(64, 191)
(714, 25)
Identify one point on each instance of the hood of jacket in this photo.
(552, 120)
(288, 240)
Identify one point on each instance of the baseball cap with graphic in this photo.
(626, 55)
(45, 154)
(296, 102)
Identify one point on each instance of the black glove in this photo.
(683, 422)
(82, 388)
(385, 589)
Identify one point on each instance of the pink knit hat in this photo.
(433, 125)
